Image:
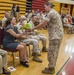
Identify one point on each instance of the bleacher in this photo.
(5, 5)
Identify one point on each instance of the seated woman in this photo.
(11, 32)
(68, 24)
(40, 37)
(67, 21)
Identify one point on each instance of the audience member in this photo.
(41, 37)
(67, 23)
(13, 11)
(17, 12)
(7, 15)
(3, 58)
(9, 40)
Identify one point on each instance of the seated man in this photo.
(29, 40)
(41, 37)
(3, 62)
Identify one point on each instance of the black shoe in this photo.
(25, 61)
(25, 64)
(6, 72)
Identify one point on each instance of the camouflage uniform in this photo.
(38, 37)
(53, 52)
(34, 42)
(55, 30)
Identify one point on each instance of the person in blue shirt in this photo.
(11, 33)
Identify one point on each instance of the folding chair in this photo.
(6, 49)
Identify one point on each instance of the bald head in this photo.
(22, 17)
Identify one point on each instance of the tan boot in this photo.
(49, 70)
(36, 58)
(37, 54)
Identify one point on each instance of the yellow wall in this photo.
(65, 10)
(73, 11)
(5, 5)
(57, 5)
(68, 7)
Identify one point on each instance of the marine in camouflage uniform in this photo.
(39, 37)
(55, 31)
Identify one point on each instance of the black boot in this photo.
(6, 72)
(36, 58)
(44, 49)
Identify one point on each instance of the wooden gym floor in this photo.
(66, 50)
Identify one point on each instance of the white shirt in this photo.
(3, 20)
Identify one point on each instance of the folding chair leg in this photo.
(13, 59)
(29, 51)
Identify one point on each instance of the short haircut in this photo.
(7, 12)
(33, 15)
(49, 4)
